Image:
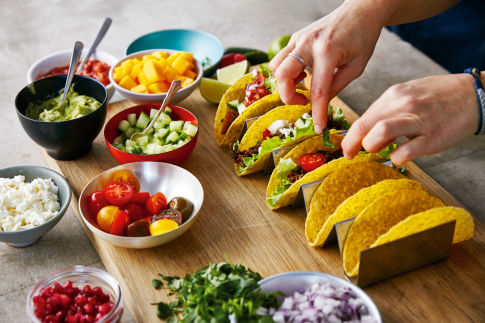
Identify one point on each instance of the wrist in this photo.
(374, 12)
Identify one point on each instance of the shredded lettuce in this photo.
(384, 153)
(326, 138)
(265, 70)
(308, 130)
(338, 115)
(284, 167)
(270, 82)
(278, 192)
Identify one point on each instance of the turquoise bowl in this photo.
(203, 45)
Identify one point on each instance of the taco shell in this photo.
(378, 218)
(311, 145)
(254, 135)
(355, 204)
(337, 187)
(258, 108)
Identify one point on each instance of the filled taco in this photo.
(251, 96)
(309, 161)
(281, 127)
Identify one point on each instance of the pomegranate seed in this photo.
(80, 300)
(72, 318)
(65, 300)
(86, 289)
(88, 309)
(67, 284)
(105, 308)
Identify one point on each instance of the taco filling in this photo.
(263, 84)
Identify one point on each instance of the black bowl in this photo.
(63, 140)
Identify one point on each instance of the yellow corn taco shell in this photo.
(258, 108)
(355, 204)
(378, 218)
(254, 135)
(311, 145)
(422, 221)
(337, 187)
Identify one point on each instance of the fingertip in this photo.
(318, 128)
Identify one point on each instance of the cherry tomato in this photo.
(140, 228)
(120, 223)
(162, 226)
(170, 214)
(266, 134)
(156, 203)
(140, 198)
(312, 161)
(183, 205)
(106, 216)
(230, 59)
(126, 176)
(96, 201)
(118, 193)
(134, 211)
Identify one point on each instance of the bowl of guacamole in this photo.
(65, 131)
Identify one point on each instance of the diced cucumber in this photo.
(142, 141)
(241, 107)
(132, 119)
(183, 142)
(300, 123)
(123, 125)
(233, 104)
(157, 125)
(167, 111)
(129, 132)
(150, 149)
(143, 120)
(118, 140)
(164, 119)
(120, 147)
(136, 150)
(151, 131)
(176, 125)
(161, 133)
(153, 112)
(190, 129)
(183, 136)
(173, 136)
(130, 143)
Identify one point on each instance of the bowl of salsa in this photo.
(96, 67)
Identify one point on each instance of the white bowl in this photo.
(298, 281)
(141, 98)
(63, 58)
(154, 177)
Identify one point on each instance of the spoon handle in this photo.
(76, 52)
(174, 87)
(94, 45)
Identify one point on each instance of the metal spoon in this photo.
(97, 40)
(76, 52)
(174, 87)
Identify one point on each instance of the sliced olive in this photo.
(140, 228)
(170, 214)
(183, 205)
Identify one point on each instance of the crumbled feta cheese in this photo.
(306, 116)
(27, 205)
(277, 125)
(287, 131)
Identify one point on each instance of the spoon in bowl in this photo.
(97, 40)
(76, 52)
(174, 87)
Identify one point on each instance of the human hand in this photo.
(336, 47)
(434, 113)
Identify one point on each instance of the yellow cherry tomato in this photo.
(126, 176)
(162, 226)
(105, 217)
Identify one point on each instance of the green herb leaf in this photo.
(326, 138)
(157, 284)
(163, 310)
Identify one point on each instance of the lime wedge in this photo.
(231, 73)
(212, 90)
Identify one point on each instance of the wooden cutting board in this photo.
(235, 223)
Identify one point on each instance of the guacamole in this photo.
(75, 106)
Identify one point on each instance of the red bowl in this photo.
(176, 157)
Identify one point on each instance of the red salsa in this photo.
(256, 90)
(93, 68)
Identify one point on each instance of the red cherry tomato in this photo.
(121, 221)
(118, 193)
(96, 201)
(134, 211)
(156, 203)
(126, 176)
(140, 198)
(266, 134)
(230, 59)
(312, 161)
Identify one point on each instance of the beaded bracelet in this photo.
(481, 99)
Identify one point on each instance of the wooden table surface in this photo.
(236, 223)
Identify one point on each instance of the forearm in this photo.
(395, 12)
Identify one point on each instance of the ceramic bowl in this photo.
(154, 177)
(141, 98)
(27, 237)
(63, 58)
(298, 281)
(203, 45)
(176, 157)
(64, 140)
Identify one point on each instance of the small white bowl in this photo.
(63, 58)
(154, 177)
(141, 98)
(298, 281)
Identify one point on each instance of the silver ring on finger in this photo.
(298, 57)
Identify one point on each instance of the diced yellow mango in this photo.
(142, 79)
(148, 57)
(136, 70)
(159, 87)
(118, 74)
(153, 71)
(160, 54)
(162, 62)
(186, 81)
(127, 82)
(128, 64)
(181, 65)
(170, 74)
(188, 56)
(139, 88)
(173, 57)
(191, 74)
(136, 60)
